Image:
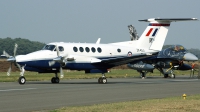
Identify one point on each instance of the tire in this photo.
(166, 75)
(104, 81)
(22, 80)
(173, 76)
(53, 80)
(57, 80)
(99, 80)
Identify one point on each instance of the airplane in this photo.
(93, 57)
(166, 61)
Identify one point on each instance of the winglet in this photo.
(98, 41)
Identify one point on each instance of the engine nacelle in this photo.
(141, 66)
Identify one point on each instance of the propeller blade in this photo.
(61, 72)
(6, 54)
(57, 50)
(9, 69)
(15, 49)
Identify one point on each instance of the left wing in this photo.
(125, 60)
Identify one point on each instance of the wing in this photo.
(124, 60)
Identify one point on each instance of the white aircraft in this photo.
(93, 57)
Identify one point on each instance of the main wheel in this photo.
(173, 76)
(166, 75)
(22, 80)
(57, 80)
(104, 81)
(100, 80)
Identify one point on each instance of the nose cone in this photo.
(190, 57)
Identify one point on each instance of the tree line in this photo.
(26, 46)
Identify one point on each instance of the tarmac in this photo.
(43, 95)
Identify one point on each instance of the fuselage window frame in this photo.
(93, 49)
(81, 49)
(87, 49)
(75, 49)
(99, 49)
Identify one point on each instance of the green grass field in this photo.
(172, 104)
(114, 73)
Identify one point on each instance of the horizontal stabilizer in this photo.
(168, 19)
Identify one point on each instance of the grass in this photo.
(114, 73)
(172, 104)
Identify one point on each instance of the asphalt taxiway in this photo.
(42, 95)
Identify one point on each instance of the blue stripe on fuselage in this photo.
(44, 64)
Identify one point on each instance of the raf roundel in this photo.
(129, 54)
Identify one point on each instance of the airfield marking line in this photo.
(17, 89)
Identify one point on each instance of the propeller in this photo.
(12, 59)
(58, 59)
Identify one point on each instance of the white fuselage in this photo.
(86, 53)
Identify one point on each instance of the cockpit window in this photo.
(61, 48)
(49, 47)
(178, 48)
(52, 48)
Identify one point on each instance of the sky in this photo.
(87, 20)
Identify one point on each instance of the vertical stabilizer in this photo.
(154, 36)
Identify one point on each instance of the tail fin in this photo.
(154, 35)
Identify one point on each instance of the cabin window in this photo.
(99, 49)
(93, 50)
(81, 49)
(87, 49)
(75, 49)
(119, 50)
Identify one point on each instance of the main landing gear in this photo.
(102, 80)
(22, 79)
(55, 79)
(143, 75)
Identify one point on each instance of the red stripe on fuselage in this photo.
(149, 32)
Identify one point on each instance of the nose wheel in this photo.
(22, 80)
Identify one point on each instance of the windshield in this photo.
(178, 48)
(49, 47)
